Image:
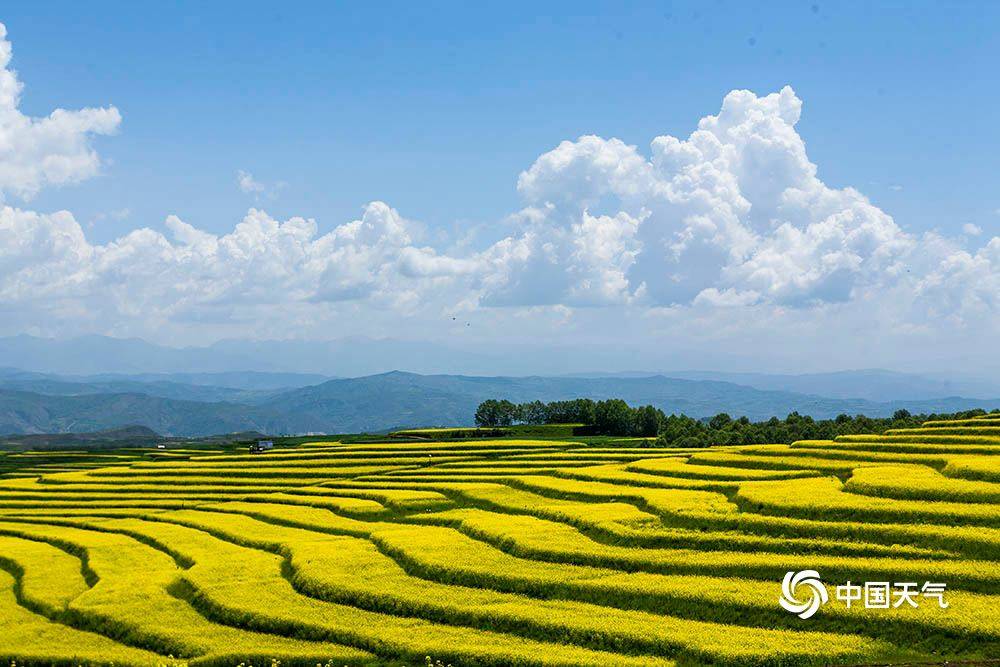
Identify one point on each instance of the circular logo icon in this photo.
(807, 582)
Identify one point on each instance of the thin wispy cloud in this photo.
(247, 183)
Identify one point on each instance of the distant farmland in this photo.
(507, 552)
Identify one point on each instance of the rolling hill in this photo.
(24, 412)
(396, 400)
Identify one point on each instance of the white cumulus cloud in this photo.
(736, 208)
(725, 231)
(54, 150)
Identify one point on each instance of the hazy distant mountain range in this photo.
(98, 383)
(870, 384)
(188, 405)
(282, 363)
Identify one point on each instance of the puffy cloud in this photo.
(263, 263)
(736, 208)
(726, 231)
(425, 262)
(970, 229)
(960, 285)
(55, 150)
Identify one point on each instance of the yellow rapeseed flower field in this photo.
(507, 552)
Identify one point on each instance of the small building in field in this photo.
(261, 446)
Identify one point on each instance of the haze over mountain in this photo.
(350, 357)
(869, 384)
(384, 401)
(693, 238)
(271, 365)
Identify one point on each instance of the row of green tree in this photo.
(611, 417)
(615, 417)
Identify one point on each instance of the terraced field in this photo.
(507, 552)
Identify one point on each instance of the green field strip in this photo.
(895, 539)
(673, 468)
(973, 444)
(872, 438)
(596, 457)
(353, 571)
(700, 596)
(920, 483)
(910, 452)
(220, 480)
(647, 451)
(461, 472)
(683, 509)
(347, 505)
(982, 468)
(152, 503)
(130, 601)
(624, 522)
(948, 430)
(173, 498)
(245, 586)
(775, 461)
(442, 555)
(478, 467)
(140, 492)
(48, 483)
(296, 459)
(403, 448)
(254, 463)
(29, 638)
(501, 464)
(98, 491)
(399, 499)
(70, 455)
(613, 517)
(258, 473)
(617, 474)
(973, 421)
(426, 481)
(43, 510)
(48, 577)
(540, 539)
(825, 498)
(841, 451)
(77, 467)
(664, 502)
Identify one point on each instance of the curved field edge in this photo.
(504, 552)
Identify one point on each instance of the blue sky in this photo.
(437, 108)
(721, 179)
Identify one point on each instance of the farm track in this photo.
(501, 552)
